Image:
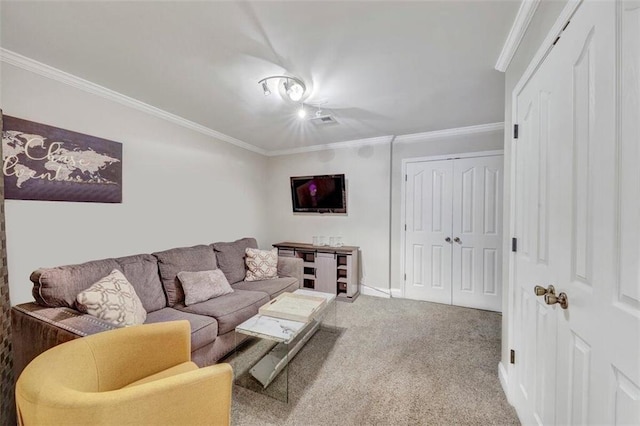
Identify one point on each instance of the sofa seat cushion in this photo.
(191, 259)
(204, 330)
(272, 287)
(229, 310)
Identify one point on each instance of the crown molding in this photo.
(28, 64)
(447, 133)
(336, 145)
(34, 66)
(518, 29)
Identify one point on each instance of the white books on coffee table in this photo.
(294, 307)
(284, 332)
(278, 329)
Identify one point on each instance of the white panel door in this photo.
(599, 334)
(428, 225)
(477, 224)
(536, 260)
(591, 85)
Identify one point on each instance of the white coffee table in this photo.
(289, 336)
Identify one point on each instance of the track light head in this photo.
(293, 87)
(265, 88)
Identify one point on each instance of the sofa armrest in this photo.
(290, 267)
(36, 329)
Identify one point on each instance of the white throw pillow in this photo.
(112, 299)
(203, 285)
(261, 264)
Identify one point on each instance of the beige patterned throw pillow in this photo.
(112, 299)
(261, 264)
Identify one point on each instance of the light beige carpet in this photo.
(394, 362)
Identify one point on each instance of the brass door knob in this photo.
(541, 291)
(561, 299)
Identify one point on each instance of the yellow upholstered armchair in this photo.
(136, 375)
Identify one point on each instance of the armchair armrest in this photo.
(157, 347)
(290, 267)
(198, 397)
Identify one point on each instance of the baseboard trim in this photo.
(504, 380)
(374, 291)
(396, 293)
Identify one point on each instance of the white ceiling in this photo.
(381, 68)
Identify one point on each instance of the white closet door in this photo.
(428, 222)
(477, 224)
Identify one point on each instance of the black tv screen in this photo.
(319, 194)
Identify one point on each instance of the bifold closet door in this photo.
(477, 235)
(453, 214)
(428, 225)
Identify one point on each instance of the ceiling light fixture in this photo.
(293, 87)
(302, 113)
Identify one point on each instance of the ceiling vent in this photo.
(323, 120)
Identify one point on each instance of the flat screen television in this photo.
(319, 194)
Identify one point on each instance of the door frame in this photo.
(505, 371)
(403, 201)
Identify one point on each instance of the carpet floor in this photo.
(392, 362)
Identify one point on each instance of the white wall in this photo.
(366, 224)
(179, 187)
(486, 141)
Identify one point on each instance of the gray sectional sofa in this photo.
(52, 318)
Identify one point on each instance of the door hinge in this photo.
(405, 226)
(515, 131)
(405, 277)
(513, 356)
(514, 245)
(405, 178)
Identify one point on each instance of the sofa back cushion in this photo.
(142, 272)
(231, 258)
(59, 286)
(191, 259)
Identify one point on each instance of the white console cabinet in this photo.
(327, 269)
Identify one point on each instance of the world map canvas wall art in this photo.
(42, 162)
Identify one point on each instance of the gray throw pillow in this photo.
(230, 258)
(203, 285)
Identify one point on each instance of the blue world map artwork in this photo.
(42, 162)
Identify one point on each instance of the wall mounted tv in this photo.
(319, 194)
